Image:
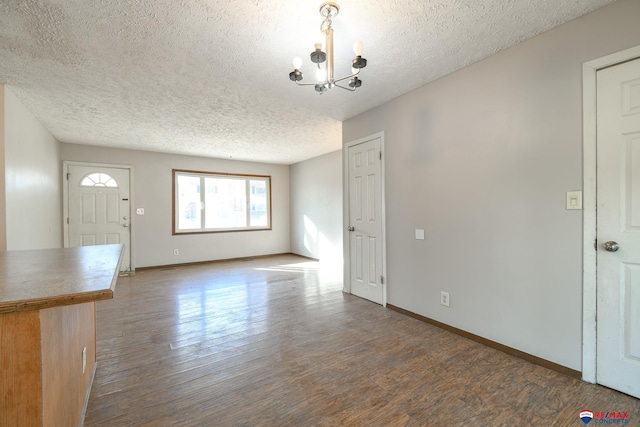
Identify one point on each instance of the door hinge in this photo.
(67, 220)
(595, 244)
(68, 175)
(382, 280)
(381, 155)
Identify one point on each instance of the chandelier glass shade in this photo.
(325, 78)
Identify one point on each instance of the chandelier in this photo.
(324, 75)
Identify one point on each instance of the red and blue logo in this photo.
(586, 416)
(608, 417)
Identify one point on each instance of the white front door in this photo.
(365, 233)
(618, 227)
(98, 211)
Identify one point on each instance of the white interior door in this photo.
(98, 212)
(365, 220)
(618, 227)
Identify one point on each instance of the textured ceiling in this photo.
(210, 77)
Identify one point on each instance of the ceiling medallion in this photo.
(325, 79)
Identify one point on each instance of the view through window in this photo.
(212, 202)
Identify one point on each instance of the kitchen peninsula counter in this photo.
(48, 330)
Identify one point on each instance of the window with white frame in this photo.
(98, 179)
(209, 202)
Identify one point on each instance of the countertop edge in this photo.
(56, 301)
(65, 299)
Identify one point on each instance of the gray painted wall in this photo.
(32, 180)
(3, 198)
(482, 159)
(316, 208)
(152, 190)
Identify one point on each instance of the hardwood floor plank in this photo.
(274, 342)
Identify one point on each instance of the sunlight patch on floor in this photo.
(299, 266)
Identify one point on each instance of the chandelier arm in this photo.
(345, 88)
(347, 77)
(305, 84)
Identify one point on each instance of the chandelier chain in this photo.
(328, 10)
(326, 25)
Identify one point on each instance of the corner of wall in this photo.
(3, 199)
(31, 173)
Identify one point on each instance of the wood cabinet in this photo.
(48, 331)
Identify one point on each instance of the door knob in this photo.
(125, 225)
(350, 228)
(611, 246)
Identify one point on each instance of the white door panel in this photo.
(618, 220)
(99, 214)
(365, 207)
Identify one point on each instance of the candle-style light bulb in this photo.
(357, 48)
(297, 63)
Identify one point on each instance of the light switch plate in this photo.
(574, 200)
(419, 234)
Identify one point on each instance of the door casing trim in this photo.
(65, 203)
(345, 209)
(589, 190)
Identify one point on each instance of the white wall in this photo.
(152, 180)
(316, 208)
(32, 180)
(3, 199)
(482, 159)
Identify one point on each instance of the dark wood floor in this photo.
(275, 342)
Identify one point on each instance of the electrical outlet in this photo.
(176, 252)
(444, 298)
